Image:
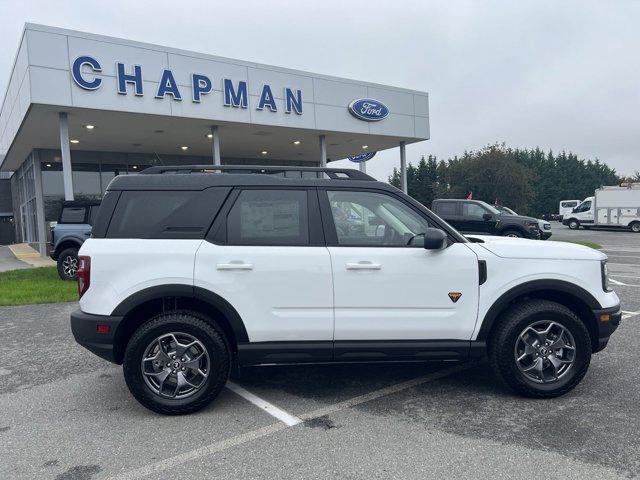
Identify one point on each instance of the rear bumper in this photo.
(606, 327)
(84, 327)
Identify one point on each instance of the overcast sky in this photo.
(559, 75)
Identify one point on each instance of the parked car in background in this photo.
(614, 206)
(543, 225)
(68, 235)
(476, 216)
(567, 206)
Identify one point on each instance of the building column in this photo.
(323, 151)
(215, 145)
(67, 173)
(363, 167)
(41, 225)
(403, 167)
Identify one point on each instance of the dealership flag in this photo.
(470, 196)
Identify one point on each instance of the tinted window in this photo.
(269, 217)
(446, 208)
(92, 214)
(72, 215)
(142, 214)
(374, 219)
(569, 204)
(473, 210)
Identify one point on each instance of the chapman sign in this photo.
(368, 109)
(236, 94)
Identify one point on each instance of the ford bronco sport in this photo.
(192, 271)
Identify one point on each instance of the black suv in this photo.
(476, 216)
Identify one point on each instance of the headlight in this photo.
(605, 276)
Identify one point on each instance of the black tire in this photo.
(635, 227)
(204, 330)
(573, 224)
(502, 345)
(512, 233)
(67, 264)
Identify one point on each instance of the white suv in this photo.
(192, 271)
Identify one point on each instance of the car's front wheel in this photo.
(512, 234)
(177, 363)
(67, 264)
(635, 227)
(574, 224)
(540, 349)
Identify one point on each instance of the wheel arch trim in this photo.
(188, 291)
(531, 287)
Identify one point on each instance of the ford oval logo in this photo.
(368, 109)
(363, 157)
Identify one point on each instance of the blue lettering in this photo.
(292, 101)
(201, 85)
(76, 72)
(233, 98)
(168, 85)
(266, 99)
(124, 78)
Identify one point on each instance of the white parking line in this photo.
(172, 462)
(626, 315)
(284, 417)
(616, 282)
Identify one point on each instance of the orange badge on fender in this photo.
(454, 296)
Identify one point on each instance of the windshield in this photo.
(493, 210)
(505, 210)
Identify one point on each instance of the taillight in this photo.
(84, 274)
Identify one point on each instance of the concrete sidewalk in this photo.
(22, 255)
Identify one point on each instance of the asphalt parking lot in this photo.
(66, 414)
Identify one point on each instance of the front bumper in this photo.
(84, 327)
(607, 320)
(545, 234)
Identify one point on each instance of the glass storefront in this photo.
(24, 201)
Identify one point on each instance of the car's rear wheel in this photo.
(635, 227)
(574, 224)
(177, 363)
(540, 349)
(67, 264)
(512, 234)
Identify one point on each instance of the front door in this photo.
(474, 217)
(387, 287)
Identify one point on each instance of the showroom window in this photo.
(269, 217)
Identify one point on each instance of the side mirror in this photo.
(487, 216)
(434, 239)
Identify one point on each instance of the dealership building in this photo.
(82, 108)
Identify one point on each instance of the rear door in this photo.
(387, 287)
(266, 256)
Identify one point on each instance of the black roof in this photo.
(199, 177)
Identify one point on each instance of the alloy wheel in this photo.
(70, 266)
(545, 351)
(175, 365)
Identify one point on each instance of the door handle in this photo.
(363, 266)
(234, 265)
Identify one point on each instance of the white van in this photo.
(566, 207)
(615, 206)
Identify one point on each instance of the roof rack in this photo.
(333, 173)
